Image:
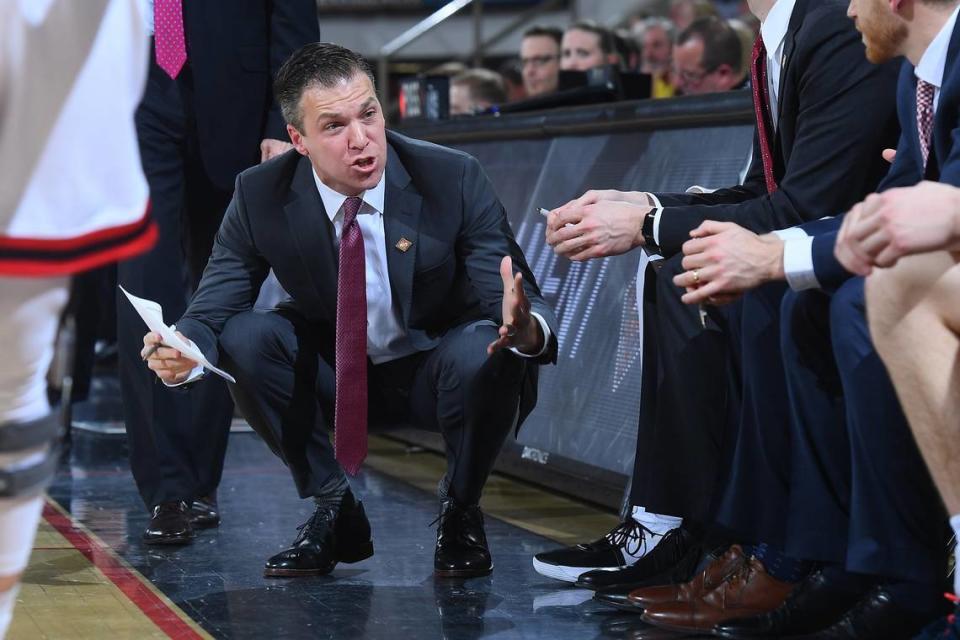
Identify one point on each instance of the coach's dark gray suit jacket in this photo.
(437, 198)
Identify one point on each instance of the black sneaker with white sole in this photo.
(620, 548)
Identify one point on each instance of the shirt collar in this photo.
(333, 200)
(774, 28)
(934, 59)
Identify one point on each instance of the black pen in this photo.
(153, 350)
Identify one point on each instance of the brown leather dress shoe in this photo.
(704, 582)
(748, 591)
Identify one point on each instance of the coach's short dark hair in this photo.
(319, 64)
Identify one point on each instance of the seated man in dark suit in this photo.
(914, 321)
(811, 83)
(404, 307)
(825, 464)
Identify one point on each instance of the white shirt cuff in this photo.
(790, 232)
(657, 211)
(195, 374)
(546, 338)
(798, 262)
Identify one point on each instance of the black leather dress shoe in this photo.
(875, 617)
(169, 524)
(204, 512)
(323, 541)
(676, 555)
(461, 542)
(616, 597)
(815, 604)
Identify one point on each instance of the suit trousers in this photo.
(689, 398)
(861, 494)
(286, 390)
(177, 440)
(755, 503)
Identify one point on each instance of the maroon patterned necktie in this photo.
(350, 412)
(761, 107)
(925, 92)
(168, 38)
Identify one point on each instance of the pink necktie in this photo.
(350, 412)
(761, 107)
(925, 117)
(170, 43)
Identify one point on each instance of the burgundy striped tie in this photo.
(925, 92)
(168, 38)
(761, 106)
(350, 413)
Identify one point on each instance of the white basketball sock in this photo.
(657, 523)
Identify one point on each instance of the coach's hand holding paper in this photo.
(173, 357)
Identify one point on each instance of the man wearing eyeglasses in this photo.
(540, 60)
(707, 58)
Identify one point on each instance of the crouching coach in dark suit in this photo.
(409, 301)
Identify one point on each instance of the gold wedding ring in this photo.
(696, 276)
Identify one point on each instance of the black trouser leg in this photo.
(819, 506)
(686, 405)
(755, 503)
(176, 438)
(285, 389)
(897, 521)
(473, 399)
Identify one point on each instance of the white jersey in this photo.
(72, 191)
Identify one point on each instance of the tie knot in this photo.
(351, 206)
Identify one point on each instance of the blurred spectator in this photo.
(646, 9)
(748, 35)
(731, 9)
(684, 12)
(448, 69)
(655, 36)
(540, 60)
(586, 45)
(513, 80)
(628, 50)
(707, 58)
(476, 90)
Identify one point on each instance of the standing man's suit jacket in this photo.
(437, 198)
(907, 168)
(234, 50)
(836, 115)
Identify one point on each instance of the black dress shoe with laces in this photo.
(461, 542)
(204, 512)
(815, 604)
(616, 550)
(169, 524)
(327, 538)
(875, 617)
(672, 561)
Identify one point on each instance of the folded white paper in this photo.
(152, 314)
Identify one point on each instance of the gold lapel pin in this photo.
(403, 244)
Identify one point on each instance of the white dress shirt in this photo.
(773, 31)
(797, 245)
(386, 339)
(774, 34)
